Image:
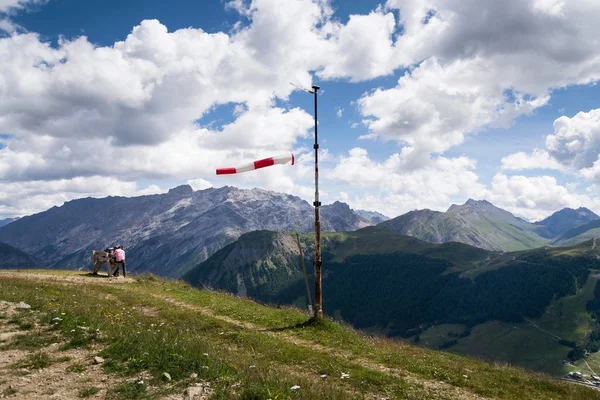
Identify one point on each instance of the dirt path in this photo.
(543, 330)
(434, 387)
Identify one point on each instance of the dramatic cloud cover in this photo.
(416, 79)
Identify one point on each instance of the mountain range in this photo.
(481, 224)
(167, 234)
(7, 221)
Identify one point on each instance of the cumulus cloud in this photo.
(394, 189)
(537, 197)
(387, 188)
(473, 66)
(538, 159)
(24, 198)
(199, 184)
(9, 6)
(573, 148)
(130, 111)
(576, 141)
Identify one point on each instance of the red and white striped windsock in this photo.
(266, 162)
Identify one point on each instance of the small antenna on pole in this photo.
(301, 88)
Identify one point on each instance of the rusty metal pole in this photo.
(317, 204)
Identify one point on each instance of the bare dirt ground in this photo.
(72, 374)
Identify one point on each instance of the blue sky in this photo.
(177, 89)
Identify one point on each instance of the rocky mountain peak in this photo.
(471, 204)
(565, 219)
(181, 190)
(338, 205)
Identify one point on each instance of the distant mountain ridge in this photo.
(11, 257)
(477, 223)
(7, 221)
(167, 233)
(373, 216)
(564, 220)
(481, 224)
(578, 234)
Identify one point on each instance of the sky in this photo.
(423, 103)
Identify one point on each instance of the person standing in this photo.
(119, 255)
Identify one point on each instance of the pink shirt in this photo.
(119, 255)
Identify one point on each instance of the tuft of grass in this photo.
(77, 368)
(88, 391)
(39, 360)
(128, 390)
(9, 391)
(32, 341)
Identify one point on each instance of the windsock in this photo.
(266, 162)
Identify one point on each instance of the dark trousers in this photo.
(119, 264)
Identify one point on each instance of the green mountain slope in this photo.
(477, 223)
(578, 234)
(382, 281)
(222, 347)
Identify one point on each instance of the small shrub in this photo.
(32, 341)
(36, 361)
(87, 392)
(9, 391)
(77, 368)
(128, 390)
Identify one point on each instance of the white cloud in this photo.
(573, 148)
(199, 184)
(576, 141)
(394, 189)
(339, 112)
(24, 198)
(474, 66)
(191, 153)
(8, 6)
(434, 106)
(538, 159)
(128, 111)
(363, 48)
(535, 197)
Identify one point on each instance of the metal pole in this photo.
(317, 204)
(310, 303)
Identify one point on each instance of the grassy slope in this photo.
(483, 226)
(376, 240)
(578, 234)
(525, 344)
(251, 351)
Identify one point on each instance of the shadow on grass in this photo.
(95, 276)
(312, 323)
